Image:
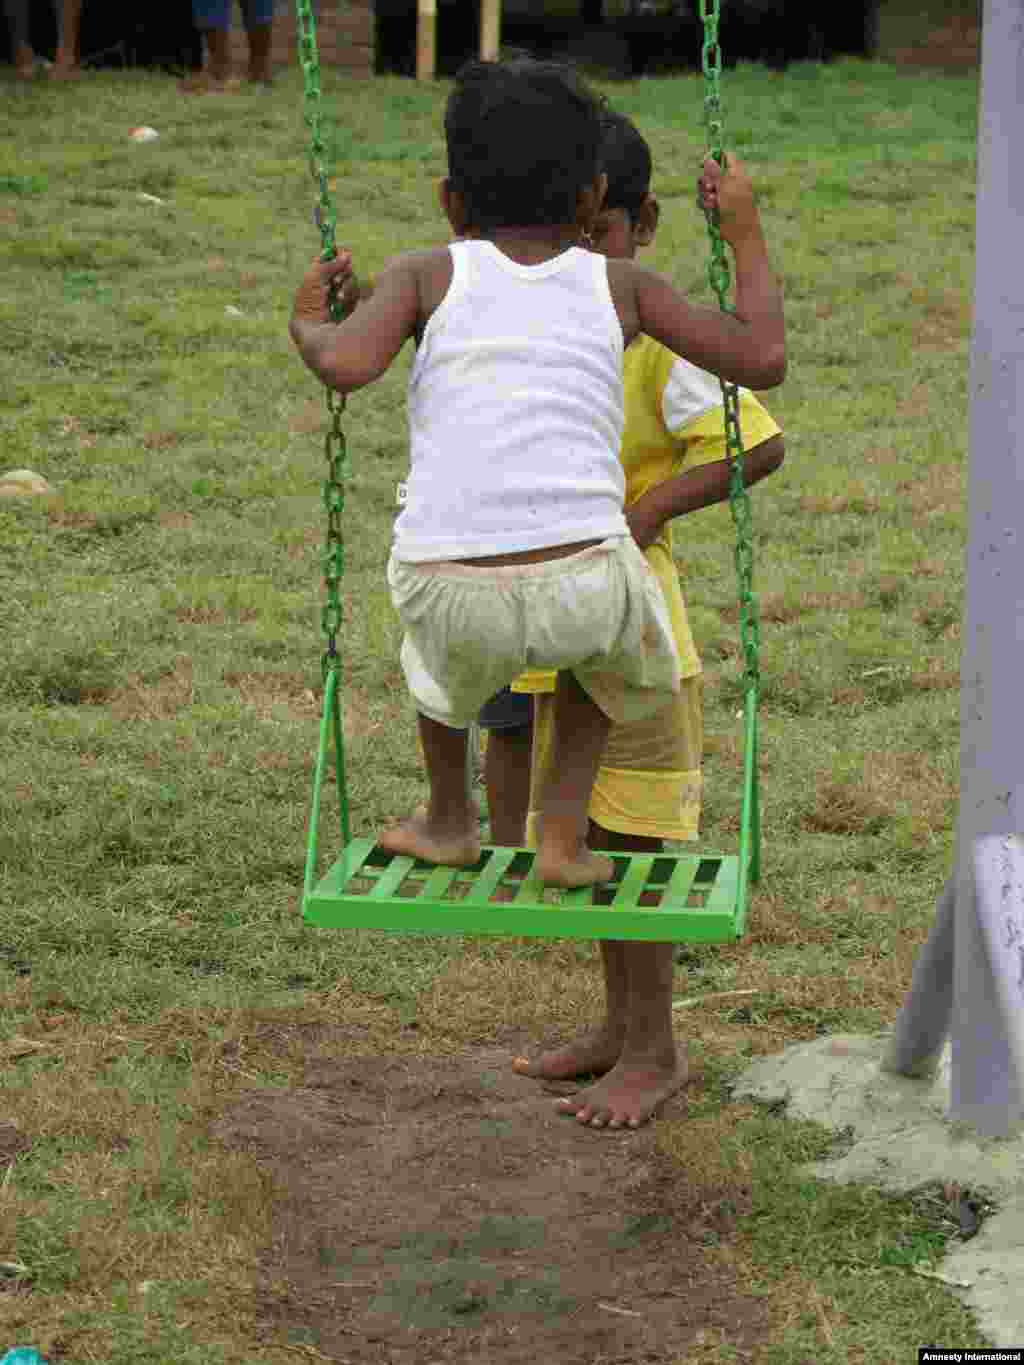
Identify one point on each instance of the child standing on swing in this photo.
(513, 551)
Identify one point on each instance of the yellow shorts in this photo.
(601, 613)
(649, 782)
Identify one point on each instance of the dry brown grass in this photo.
(308, 418)
(176, 521)
(122, 1151)
(72, 427)
(710, 1150)
(935, 678)
(216, 616)
(944, 320)
(917, 403)
(139, 700)
(888, 785)
(943, 492)
(781, 608)
(473, 997)
(265, 693)
(119, 1154)
(162, 440)
(862, 504)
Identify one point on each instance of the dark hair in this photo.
(524, 139)
(626, 160)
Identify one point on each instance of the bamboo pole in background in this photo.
(426, 39)
(490, 30)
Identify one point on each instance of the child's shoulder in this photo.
(423, 263)
(643, 298)
(622, 277)
(430, 268)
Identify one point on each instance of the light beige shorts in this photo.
(601, 613)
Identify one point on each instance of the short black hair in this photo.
(524, 139)
(626, 160)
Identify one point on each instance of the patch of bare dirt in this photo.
(439, 1210)
(137, 699)
(12, 1143)
(308, 418)
(161, 440)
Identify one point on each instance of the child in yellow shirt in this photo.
(648, 787)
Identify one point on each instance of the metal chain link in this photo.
(334, 442)
(720, 279)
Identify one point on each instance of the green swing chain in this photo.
(718, 275)
(334, 441)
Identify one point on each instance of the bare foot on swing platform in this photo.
(417, 837)
(582, 868)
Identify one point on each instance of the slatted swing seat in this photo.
(667, 897)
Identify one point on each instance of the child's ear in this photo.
(647, 221)
(452, 206)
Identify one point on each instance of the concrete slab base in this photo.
(902, 1140)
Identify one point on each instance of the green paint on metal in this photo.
(370, 889)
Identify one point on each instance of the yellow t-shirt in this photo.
(674, 422)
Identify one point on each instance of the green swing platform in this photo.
(691, 897)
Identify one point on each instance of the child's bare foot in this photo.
(24, 62)
(590, 1055)
(583, 868)
(450, 845)
(629, 1094)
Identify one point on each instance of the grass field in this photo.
(159, 689)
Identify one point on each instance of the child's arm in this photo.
(697, 488)
(749, 346)
(347, 355)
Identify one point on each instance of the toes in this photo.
(616, 1121)
(596, 1117)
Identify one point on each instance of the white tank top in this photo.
(515, 410)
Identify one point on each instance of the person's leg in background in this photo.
(17, 20)
(213, 20)
(69, 28)
(259, 25)
(507, 719)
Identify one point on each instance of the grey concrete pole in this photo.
(956, 987)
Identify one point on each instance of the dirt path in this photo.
(440, 1210)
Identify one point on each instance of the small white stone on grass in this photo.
(23, 483)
